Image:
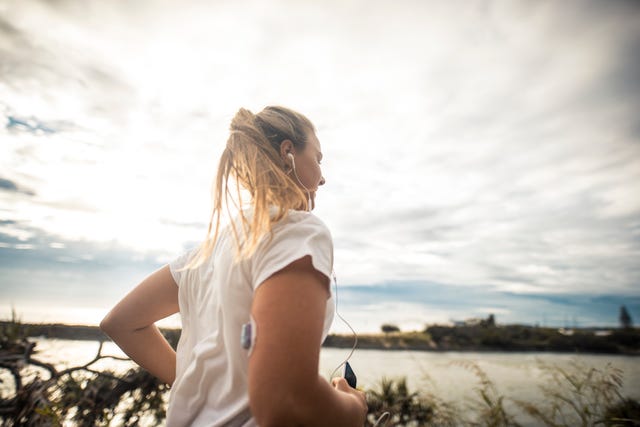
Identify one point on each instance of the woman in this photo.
(269, 268)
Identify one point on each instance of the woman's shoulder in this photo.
(302, 219)
(299, 225)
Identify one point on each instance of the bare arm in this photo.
(284, 385)
(131, 324)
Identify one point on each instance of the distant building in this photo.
(467, 322)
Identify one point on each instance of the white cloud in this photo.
(494, 145)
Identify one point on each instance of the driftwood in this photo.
(42, 394)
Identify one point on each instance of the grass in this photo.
(574, 395)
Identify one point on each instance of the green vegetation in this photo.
(527, 338)
(386, 328)
(582, 396)
(387, 341)
(574, 396)
(408, 408)
(486, 336)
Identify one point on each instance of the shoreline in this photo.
(395, 341)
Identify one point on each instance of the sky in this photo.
(480, 157)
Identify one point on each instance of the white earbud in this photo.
(293, 166)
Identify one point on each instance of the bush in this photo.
(406, 408)
(625, 413)
(579, 395)
(387, 328)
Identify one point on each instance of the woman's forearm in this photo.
(148, 348)
(315, 403)
(330, 406)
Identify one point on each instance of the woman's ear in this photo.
(286, 147)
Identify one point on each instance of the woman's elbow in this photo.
(110, 325)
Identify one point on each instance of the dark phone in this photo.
(349, 375)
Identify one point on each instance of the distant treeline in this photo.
(58, 330)
(527, 338)
(481, 337)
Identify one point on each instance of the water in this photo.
(514, 374)
(446, 375)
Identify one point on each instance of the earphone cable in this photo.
(293, 167)
(333, 274)
(355, 335)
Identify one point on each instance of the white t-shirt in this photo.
(211, 386)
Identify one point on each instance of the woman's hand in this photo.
(131, 324)
(340, 384)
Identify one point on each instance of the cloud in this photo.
(38, 266)
(8, 185)
(492, 147)
(11, 186)
(522, 187)
(29, 125)
(48, 76)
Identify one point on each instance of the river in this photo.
(447, 375)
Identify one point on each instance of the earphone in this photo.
(335, 281)
(293, 166)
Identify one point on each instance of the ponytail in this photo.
(251, 163)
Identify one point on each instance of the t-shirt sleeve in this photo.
(290, 242)
(176, 266)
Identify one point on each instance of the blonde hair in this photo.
(252, 159)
